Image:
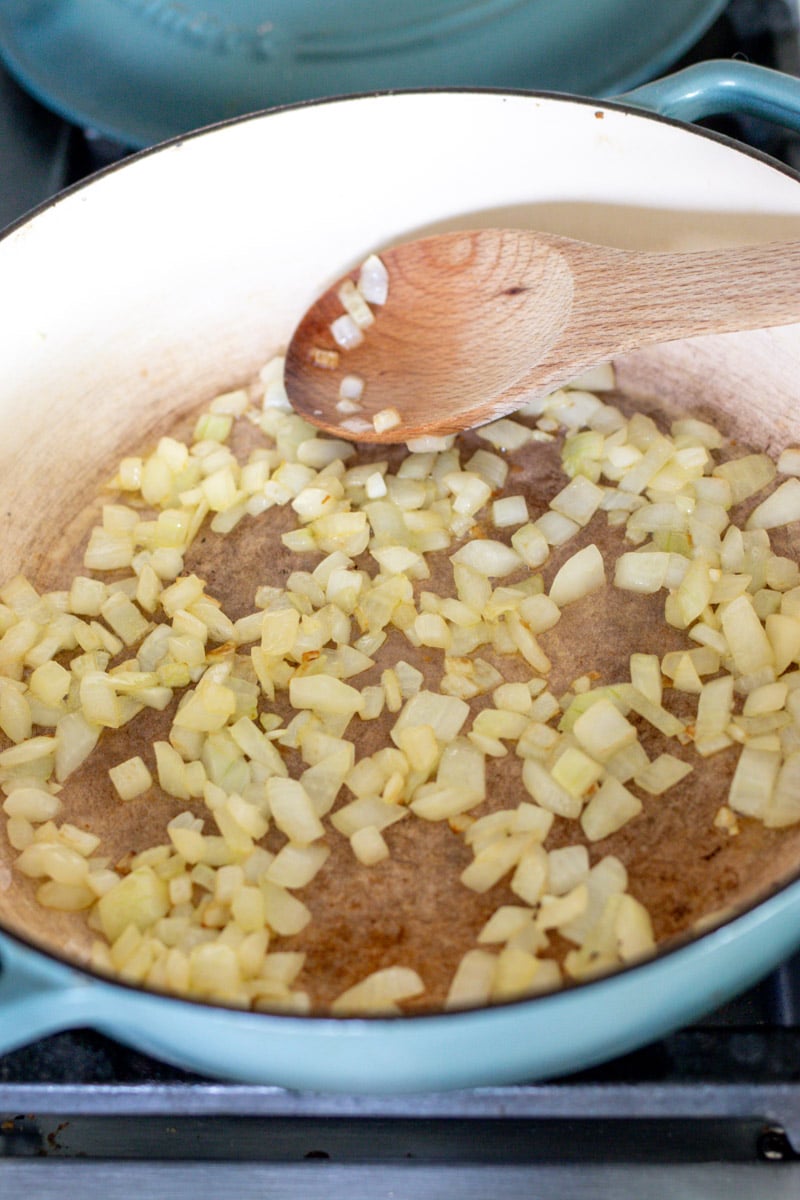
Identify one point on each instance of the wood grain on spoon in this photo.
(476, 324)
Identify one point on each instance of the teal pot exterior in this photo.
(145, 70)
(533, 1039)
(216, 244)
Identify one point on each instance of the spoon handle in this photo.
(638, 298)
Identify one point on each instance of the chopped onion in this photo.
(487, 557)
(780, 508)
(603, 730)
(373, 280)
(579, 576)
(346, 332)
(753, 781)
(472, 983)
(258, 736)
(387, 418)
(611, 807)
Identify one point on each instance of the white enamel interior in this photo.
(183, 270)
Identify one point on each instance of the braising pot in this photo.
(130, 300)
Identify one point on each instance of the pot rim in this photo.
(218, 127)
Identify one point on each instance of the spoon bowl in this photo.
(476, 324)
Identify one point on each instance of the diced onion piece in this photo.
(373, 280)
(633, 929)
(430, 444)
(65, 897)
(510, 510)
(602, 730)
(746, 475)
(505, 434)
(76, 738)
(284, 912)
(576, 771)
(444, 714)
(293, 811)
(380, 992)
(713, 715)
(323, 358)
(661, 774)
(572, 408)
(394, 560)
(516, 974)
(771, 697)
(32, 803)
(658, 453)
(387, 418)
(579, 576)
(348, 407)
(607, 878)
(556, 528)
(139, 899)
(567, 868)
(369, 846)
(470, 491)
(323, 694)
(531, 545)
(596, 379)
(726, 819)
(746, 637)
(655, 714)
(783, 808)
(496, 723)
(611, 807)
(471, 985)
(529, 880)
(419, 744)
(644, 572)
(555, 911)
(547, 792)
(375, 487)
(488, 557)
(780, 508)
(355, 305)
(324, 780)
(494, 861)
(539, 612)
(364, 812)
(627, 762)
(130, 778)
(646, 676)
(753, 781)
(122, 615)
(694, 591)
(294, 866)
(504, 923)
(514, 697)
(789, 461)
(346, 333)
(579, 500)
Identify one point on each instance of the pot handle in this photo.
(39, 997)
(722, 86)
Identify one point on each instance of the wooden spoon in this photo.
(476, 324)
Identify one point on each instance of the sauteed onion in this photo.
(204, 910)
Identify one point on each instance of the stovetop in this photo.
(703, 1110)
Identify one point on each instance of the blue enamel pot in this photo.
(145, 70)
(130, 300)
